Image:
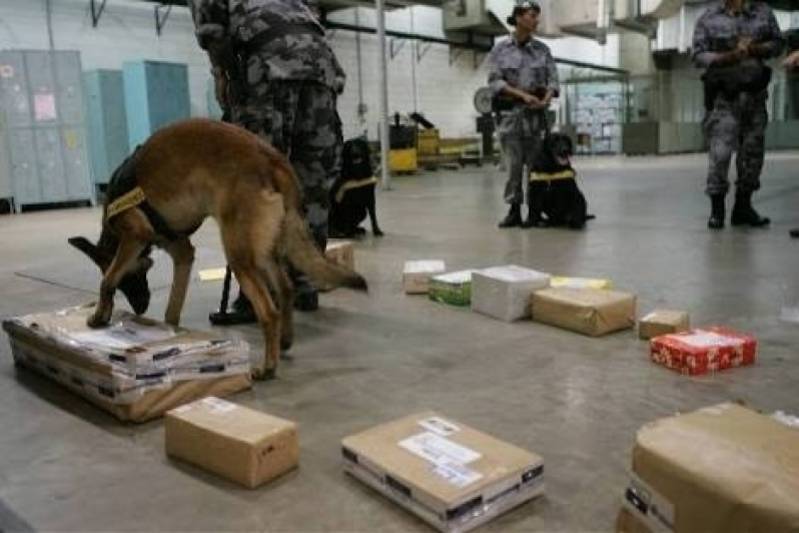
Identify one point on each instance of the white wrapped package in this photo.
(504, 292)
(416, 274)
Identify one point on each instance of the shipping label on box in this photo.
(504, 292)
(416, 274)
(590, 311)
(662, 322)
(450, 475)
(703, 350)
(240, 444)
(454, 288)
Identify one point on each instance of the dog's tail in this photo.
(306, 257)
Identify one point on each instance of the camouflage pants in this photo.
(299, 118)
(521, 132)
(736, 126)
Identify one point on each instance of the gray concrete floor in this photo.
(366, 359)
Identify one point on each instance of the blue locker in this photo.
(156, 94)
(107, 121)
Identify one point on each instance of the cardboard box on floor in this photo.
(136, 368)
(724, 468)
(662, 322)
(453, 288)
(341, 252)
(504, 292)
(450, 475)
(416, 274)
(590, 311)
(235, 442)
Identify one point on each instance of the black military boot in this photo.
(716, 220)
(513, 218)
(743, 214)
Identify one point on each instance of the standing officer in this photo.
(271, 62)
(524, 79)
(792, 63)
(732, 39)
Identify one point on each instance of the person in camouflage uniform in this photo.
(523, 78)
(280, 79)
(732, 39)
(792, 63)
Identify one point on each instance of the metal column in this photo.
(384, 141)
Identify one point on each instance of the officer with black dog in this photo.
(523, 78)
(732, 40)
(280, 78)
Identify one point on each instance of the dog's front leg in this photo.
(124, 261)
(182, 253)
(370, 207)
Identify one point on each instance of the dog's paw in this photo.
(377, 233)
(96, 321)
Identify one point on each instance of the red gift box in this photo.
(703, 350)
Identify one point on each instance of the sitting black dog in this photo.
(353, 194)
(555, 199)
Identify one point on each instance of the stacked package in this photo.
(719, 469)
(504, 292)
(703, 350)
(416, 274)
(450, 475)
(454, 288)
(135, 368)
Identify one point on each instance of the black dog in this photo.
(552, 190)
(353, 194)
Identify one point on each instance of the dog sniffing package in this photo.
(241, 444)
(454, 288)
(662, 322)
(592, 312)
(699, 351)
(136, 368)
(504, 292)
(416, 274)
(723, 468)
(450, 475)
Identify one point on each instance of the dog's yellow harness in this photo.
(349, 185)
(544, 176)
(128, 200)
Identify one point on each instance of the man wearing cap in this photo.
(523, 78)
(732, 40)
(280, 79)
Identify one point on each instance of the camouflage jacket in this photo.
(275, 39)
(717, 31)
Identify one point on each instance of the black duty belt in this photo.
(275, 32)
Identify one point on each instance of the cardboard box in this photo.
(240, 444)
(504, 292)
(416, 275)
(451, 476)
(703, 350)
(661, 322)
(341, 252)
(135, 368)
(454, 288)
(724, 468)
(590, 311)
(562, 282)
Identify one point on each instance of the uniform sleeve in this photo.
(553, 84)
(210, 22)
(701, 54)
(495, 81)
(774, 43)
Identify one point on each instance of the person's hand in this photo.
(547, 99)
(744, 45)
(792, 61)
(533, 102)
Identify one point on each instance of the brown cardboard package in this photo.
(240, 444)
(341, 252)
(724, 468)
(136, 368)
(450, 475)
(661, 322)
(590, 311)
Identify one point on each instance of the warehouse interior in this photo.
(83, 82)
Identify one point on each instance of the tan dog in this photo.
(192, 170)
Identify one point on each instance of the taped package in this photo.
(662, 322)
(720, 469)
(504, 292)
(136, 368)
(454, 288)
(563, 282)
(341, 252)
(241, 444)
(703, 350)
(593, 312)
(453, 477)
(416, 275)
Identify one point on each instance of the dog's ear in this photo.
(83, 244)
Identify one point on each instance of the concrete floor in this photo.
(366, 359)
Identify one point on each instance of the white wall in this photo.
(126, 31)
